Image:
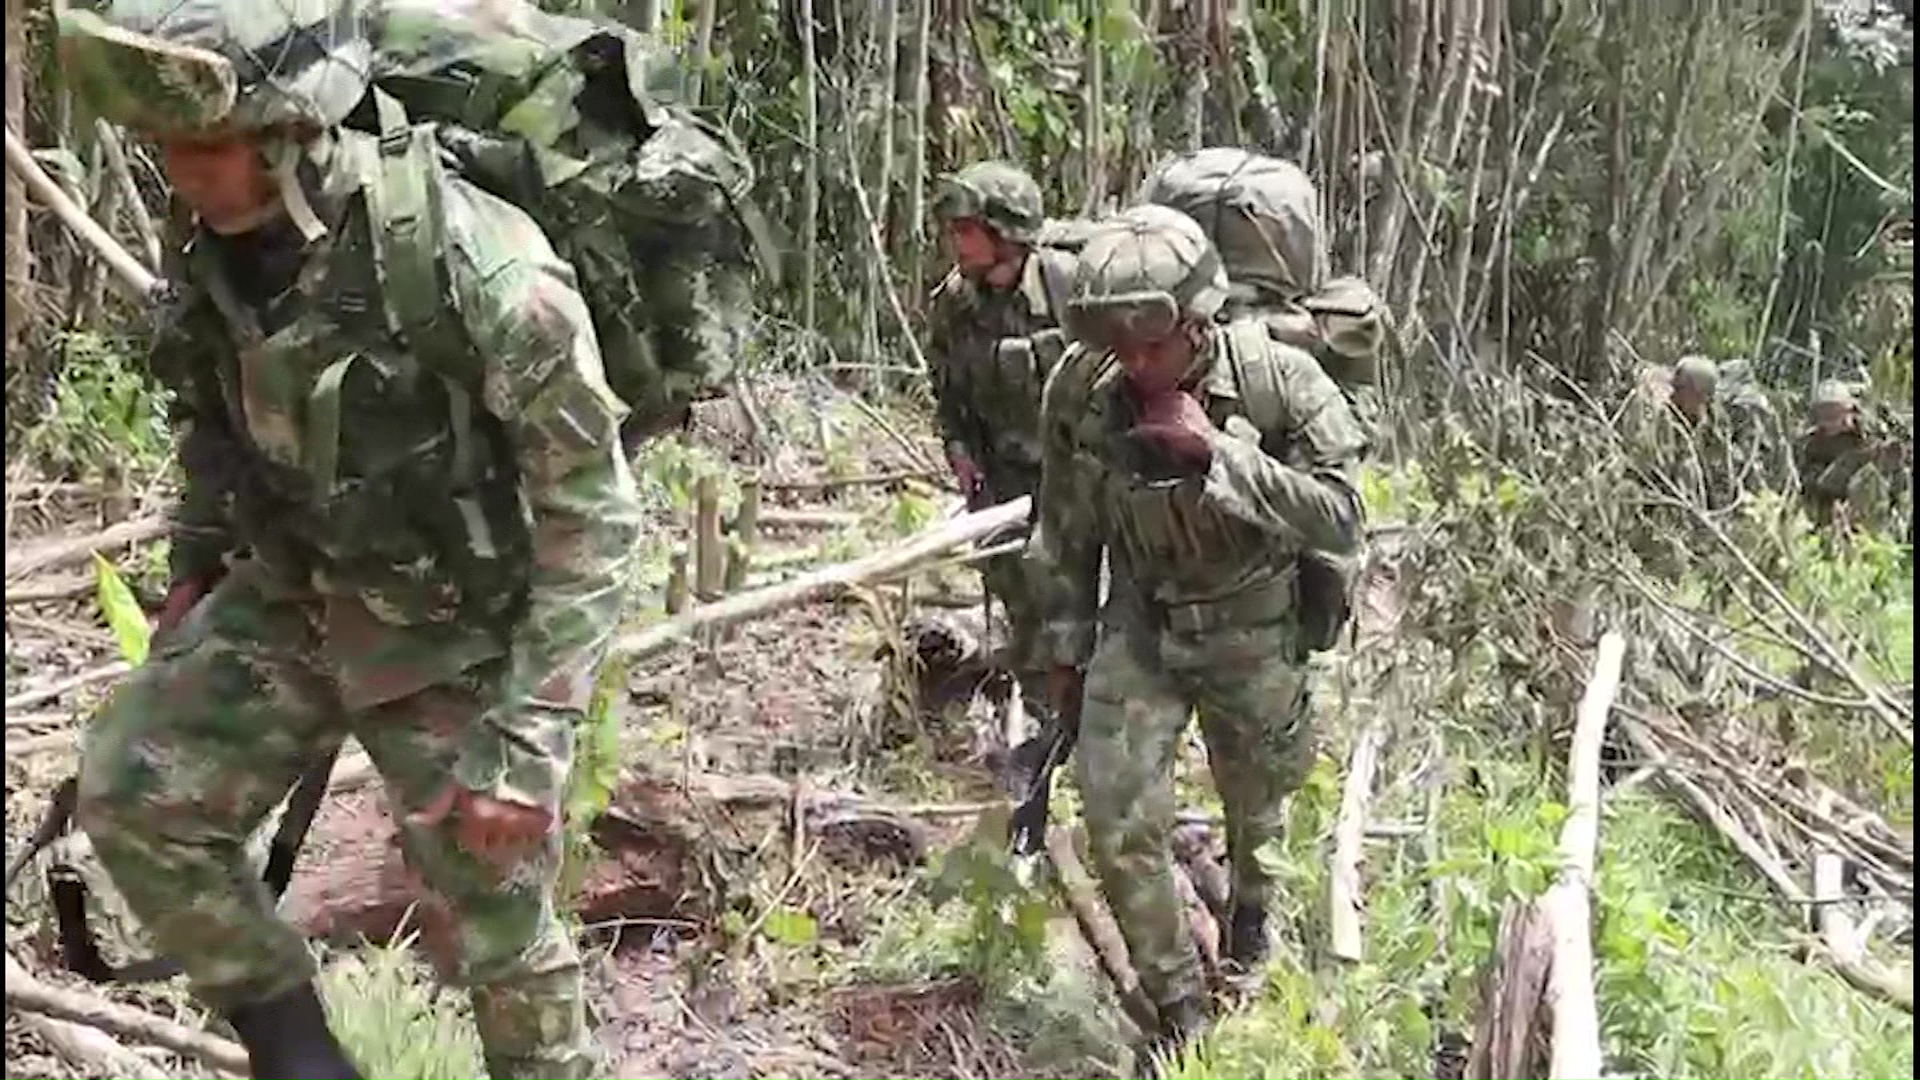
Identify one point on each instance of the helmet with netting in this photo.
(1261, 213)
(1140, 274)
(1833, 392)
(182, 66)
(1698, 372)
(1002, 195)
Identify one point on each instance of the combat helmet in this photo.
(1141, 272)
(178, 66)
(1698, 372)
(1001, 195)
(1832, 392)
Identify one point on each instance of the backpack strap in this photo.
(1258, 382)
(406, 225)
(1056, 280)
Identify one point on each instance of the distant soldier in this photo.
(1201, 459)
(1833, 455)
(993, 337)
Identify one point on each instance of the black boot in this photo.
(1181, 1022)
(1246, 935)
(287, 1039)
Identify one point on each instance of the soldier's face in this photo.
(1157, 365)
(976, 249)
(223, 179)
(1832, 419)
(1689, 400)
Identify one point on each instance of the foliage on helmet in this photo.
(182, 66)
(1002, 195)
(1261, 213)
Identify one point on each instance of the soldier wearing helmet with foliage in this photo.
(417, 532)
(1835, 452)
(993, 337)
(1202, 509)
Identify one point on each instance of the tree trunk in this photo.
(19, 253)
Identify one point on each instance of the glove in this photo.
(1176, 427)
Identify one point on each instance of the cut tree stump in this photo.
(1511, 1036)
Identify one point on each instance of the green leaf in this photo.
(124, 617)
(790, 926)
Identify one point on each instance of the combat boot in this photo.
(1181, 1022)
(1246, 941)
(287, 1038)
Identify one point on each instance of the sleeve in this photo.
(185, 360)
(1313, 499)
(542, 378)
(1070, 532)
(958, 430)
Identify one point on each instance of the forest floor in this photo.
(760, 949)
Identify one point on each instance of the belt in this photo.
(1255, 604)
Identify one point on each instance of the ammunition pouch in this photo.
(1324, 601)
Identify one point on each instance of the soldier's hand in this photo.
(1064, 688)
(1176, 426)
(491, 829)
(180, 599)
(966, 473)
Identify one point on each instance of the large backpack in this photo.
(1263, 217)
(581, 124)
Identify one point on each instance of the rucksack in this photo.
(1263, 217)
(580, 124)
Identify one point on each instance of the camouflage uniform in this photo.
(429, 538)
(1831, 463)
(990, 351)
(1201, 613)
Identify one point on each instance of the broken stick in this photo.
(1344, 899)
(29, 994)
(1098, 928)
(1576, 1017)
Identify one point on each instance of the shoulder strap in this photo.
(1056, 277)
(1254, 375)
(406, 226)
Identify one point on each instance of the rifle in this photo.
(1047, 751)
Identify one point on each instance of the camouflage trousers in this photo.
(1144, 683)
(206, 738)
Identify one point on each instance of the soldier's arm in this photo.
(959, 427)
(1070, 530)
(185, 359)
(544, 382)
(1312, 500)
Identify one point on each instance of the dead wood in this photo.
(1345, 892)
(34, 592)
(1576, 1016)
(31, 995)
(774, 517)
(1097, 926)
(1195, 850)
(117, 258)
(1511, 1034)
(92, 1051)
(47, 554)
(27, 699)
(832, 483)
(1200, 923)
(827, 582)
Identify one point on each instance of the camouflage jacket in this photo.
(1830, 465)
(1734, 448)
(441, 503)
(1239, 527)
(991, 352)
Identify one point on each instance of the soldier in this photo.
(421, 538)
(1832, 452)
(1202, 458)
(993, 337)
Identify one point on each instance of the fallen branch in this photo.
(1098, 928)
(1344, 894)
(1840, 943)
(136, 277)
(833, 483)
(72, 549)
(27, 699)
(774, 516)
(31, 995)
(827, 582)
(56, 589)
(92, 1052)
(1576, 1017)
